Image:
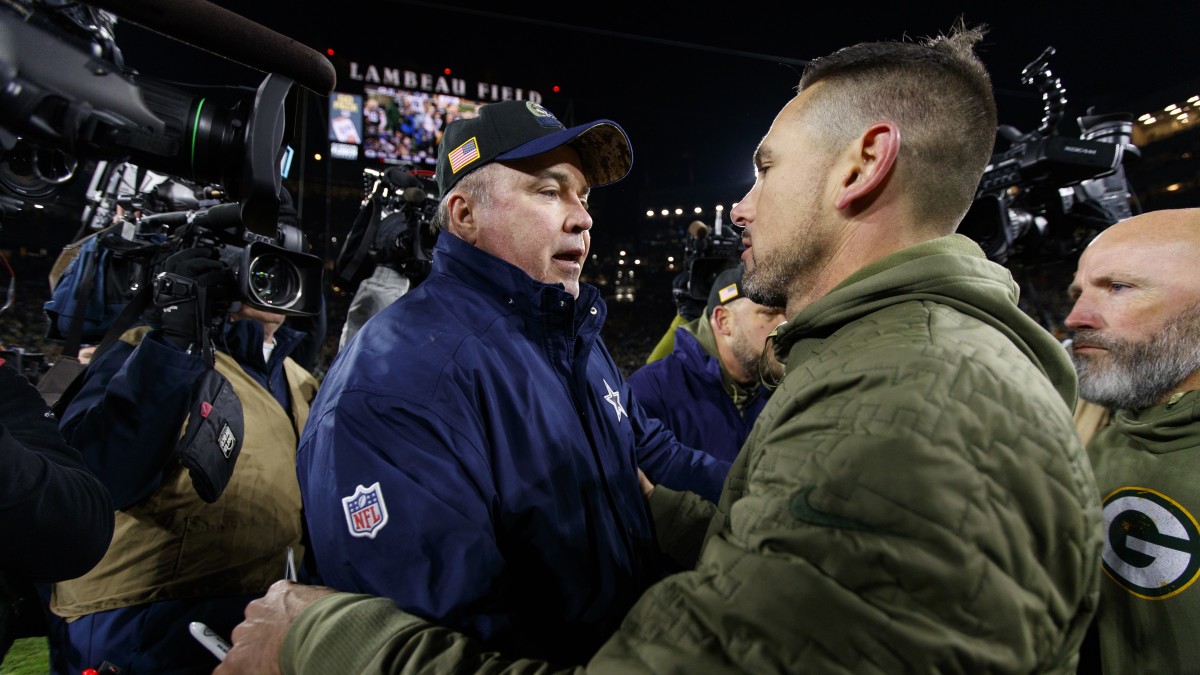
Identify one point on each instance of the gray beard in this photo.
(1137, 375)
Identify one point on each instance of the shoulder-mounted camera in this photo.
(393, 226)
(706, 253)
(1046, 195)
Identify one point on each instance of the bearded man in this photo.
(707, 389)
(1136, 348)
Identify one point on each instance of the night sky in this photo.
(696, 89)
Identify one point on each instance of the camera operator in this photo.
(58, 517)
(707, 389)
(389, 280)
(185, 550)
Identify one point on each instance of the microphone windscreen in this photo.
(215, 29)
(401, 178)
(697, 229)
(414, 195)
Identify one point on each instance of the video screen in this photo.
(400, 126)
(345, 118)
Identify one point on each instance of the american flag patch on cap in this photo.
(463, 155)
(728, 293)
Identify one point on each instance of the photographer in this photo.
(195, 539)
(388, 235)
(58, 518)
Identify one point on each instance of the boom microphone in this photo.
(215, 29)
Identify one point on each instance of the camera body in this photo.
(706, 253)
(393, 228)
(1046, 195)
(274, 273)
(32, 365)
(406, 237)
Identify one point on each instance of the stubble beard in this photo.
(770, 279)
(1137, 375)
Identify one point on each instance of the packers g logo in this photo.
(1151, 543)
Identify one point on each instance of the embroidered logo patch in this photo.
(544, 117)
(365, 511)
(1151, 543)
(226, 440)
(464, 154)
(614, 398)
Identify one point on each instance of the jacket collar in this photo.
(509, 284)
(244, 342)
(951, 270)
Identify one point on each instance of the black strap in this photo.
(128, 316)
(371, 213)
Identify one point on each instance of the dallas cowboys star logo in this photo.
(614, 397)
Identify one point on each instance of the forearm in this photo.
(348, 633)
(668, 462)
(681, 521)
(127, 417)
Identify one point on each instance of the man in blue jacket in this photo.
(707, 390)
(473, 452)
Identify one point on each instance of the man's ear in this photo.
(871, 163)
(462, 219)
(722, 320)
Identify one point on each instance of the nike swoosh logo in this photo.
(803, 511)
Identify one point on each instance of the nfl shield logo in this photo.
(365, 511)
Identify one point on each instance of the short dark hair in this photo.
(940, 95)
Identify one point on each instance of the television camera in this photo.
(1046, 195)
(707, 252)
(393, 226)
(273, 273)
(66, 95)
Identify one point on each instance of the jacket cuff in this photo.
(342, 632)
(681, 523)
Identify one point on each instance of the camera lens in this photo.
(274, 281)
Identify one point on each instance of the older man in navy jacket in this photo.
(473, 452)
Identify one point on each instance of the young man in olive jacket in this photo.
(913, 498)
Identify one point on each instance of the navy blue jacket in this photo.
(684, 389)
(134, 400)
(472, 455)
